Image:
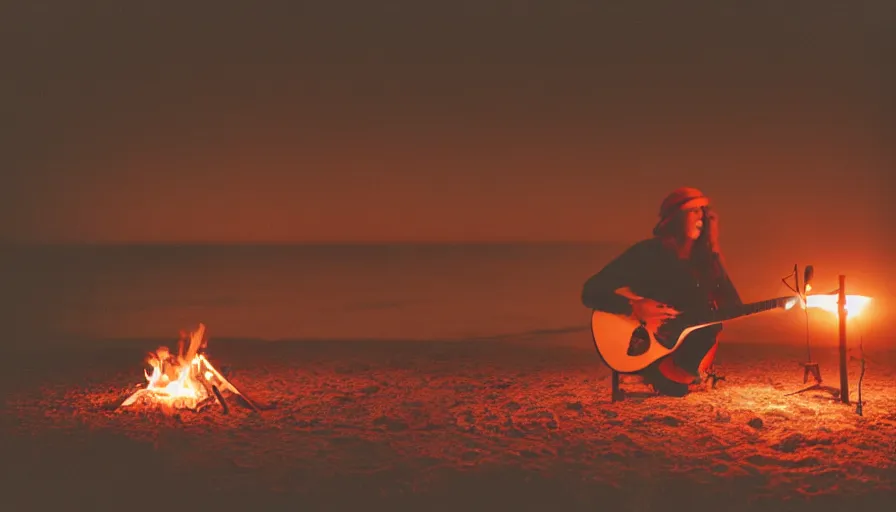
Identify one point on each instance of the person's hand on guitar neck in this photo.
(648, 311)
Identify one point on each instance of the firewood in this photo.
(228, 386)
(221, 399)
(247, 401)
(207, 387)
(195, 342)
(213, 393)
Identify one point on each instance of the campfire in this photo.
(186, 380)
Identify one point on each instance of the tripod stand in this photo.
(810, 367)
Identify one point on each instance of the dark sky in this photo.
(462, 120)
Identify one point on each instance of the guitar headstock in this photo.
(789, 302)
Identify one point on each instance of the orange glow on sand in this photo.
(537, 411)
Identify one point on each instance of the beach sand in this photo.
(524, 423)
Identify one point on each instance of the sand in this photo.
(513, 424)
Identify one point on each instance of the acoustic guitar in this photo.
(627, 346)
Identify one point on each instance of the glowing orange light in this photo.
(182, 381)
(855, 304)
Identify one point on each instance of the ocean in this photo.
(62, 294)
(317, 292)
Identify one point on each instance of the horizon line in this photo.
(317, 243)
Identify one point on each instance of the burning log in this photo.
(214, 394)
(195, 342)
(249, 403)
(228, 386)
(185, 381)
(220, 398)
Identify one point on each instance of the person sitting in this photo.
(679, 269)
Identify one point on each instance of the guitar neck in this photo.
(750, 309)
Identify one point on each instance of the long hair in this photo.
(706, 259)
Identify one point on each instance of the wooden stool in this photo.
(617, 395)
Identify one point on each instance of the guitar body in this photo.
(627, 345)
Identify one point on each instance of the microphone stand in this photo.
(809, 367)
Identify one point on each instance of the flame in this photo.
(181, 381)
(183, 390)
(855, 304)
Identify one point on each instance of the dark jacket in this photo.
(652, 270)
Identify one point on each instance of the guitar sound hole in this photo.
(667, 334)
(639, 342)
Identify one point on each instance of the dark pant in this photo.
(687, 357)
(694, 348)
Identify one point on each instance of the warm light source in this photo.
(184, 381)
(855, 304)
(842, 305)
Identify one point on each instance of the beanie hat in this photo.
(679, 199)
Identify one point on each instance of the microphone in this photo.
(808, 275)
